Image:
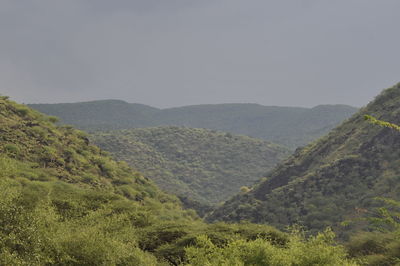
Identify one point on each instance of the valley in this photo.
(199, 133)
(67, 189)
(196, 164)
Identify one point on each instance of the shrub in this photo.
(244, 189)
(318, 250)
(22, 110)
(12, 150)
(53, 119)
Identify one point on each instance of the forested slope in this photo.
(199, 164)
(289, 126)
(64, 202)
(331, 180)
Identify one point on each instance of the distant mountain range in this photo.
(289, 126)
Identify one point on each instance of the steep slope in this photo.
(332, 179)
(200, 164)
(290, 126)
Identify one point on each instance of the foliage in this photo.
(203, 165)
(381, 247)
(288, 126)
(375, 121)
(170, 240)
(318, 250)
(389, 217)
(34, 231)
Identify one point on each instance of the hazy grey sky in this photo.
(180, 52)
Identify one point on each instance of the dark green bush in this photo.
(12, 150)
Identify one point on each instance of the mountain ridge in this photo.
(288, 126)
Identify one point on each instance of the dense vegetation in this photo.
(331, 180)
(382, 245)
(319, 250)
(289, 126)
(64, 202)
(197, 164)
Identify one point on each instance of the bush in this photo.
(244, 189)
(32, 232)
(318, 250)
(22, 110)
(12, 150)
(53, 119)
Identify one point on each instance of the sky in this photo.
(169, 53)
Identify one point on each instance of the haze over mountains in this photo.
(289, 126)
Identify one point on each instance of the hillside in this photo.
(64, 202)
(289, 126)
(199, 164)
(331, 180)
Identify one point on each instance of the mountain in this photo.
(289, 126)
(63, 201)
(199, 164)
(331, 180)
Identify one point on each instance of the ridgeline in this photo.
(288, 126)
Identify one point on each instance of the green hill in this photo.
(331, 180)
(289, 126)
(199, 164)
(63, 201)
